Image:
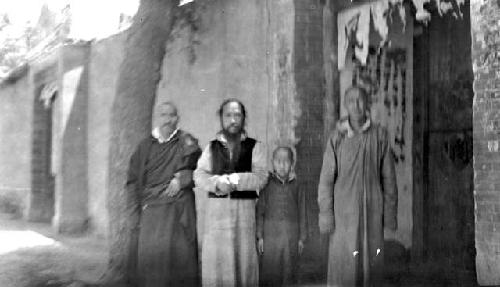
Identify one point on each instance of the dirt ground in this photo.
(32, 255)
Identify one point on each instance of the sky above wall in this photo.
(91, 19)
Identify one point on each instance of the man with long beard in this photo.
(160, 190)
(232, 170)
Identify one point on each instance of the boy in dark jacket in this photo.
(281, 222)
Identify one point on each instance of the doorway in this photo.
(444, 204)
(42, 177)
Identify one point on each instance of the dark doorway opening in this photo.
(42, 178)
(443, 232)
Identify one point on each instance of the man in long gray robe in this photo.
(357, 196)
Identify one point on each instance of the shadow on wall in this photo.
(12, 204)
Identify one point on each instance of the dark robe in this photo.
(281, 222)
(357, 198)
(165, 253)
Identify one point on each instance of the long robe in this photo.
(228, 252)
(357, 197)
(281, 223)
(165, 250)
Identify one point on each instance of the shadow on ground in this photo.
(31, 255)
(398, 270)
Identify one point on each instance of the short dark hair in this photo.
(232, 100)
(288, 149)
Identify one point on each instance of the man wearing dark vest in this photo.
(160, 190)
(230, 171)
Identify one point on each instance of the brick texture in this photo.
(486, 115)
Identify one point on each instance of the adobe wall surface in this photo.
(217, 50)
(233, 49)
(105, 59)
(71, 195)
(15, 144)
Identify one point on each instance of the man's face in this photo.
(167, 118)
(282, 163)
(355, 104)
(232, 118)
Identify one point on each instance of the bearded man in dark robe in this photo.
(160, 188)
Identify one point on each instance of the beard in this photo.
(232, 132)
(233, 137)
(166, 130)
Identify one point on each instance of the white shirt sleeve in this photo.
(206, 181)
(203, 177)
(257, 178)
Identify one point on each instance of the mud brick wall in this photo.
(485, 26)
(15, 150)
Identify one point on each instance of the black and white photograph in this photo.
(249, 143)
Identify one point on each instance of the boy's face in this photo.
(282, 163)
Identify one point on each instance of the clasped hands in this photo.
(226, 184)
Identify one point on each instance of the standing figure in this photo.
(357, 196)
(232, 170)
(161, 188)
(281, 222)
